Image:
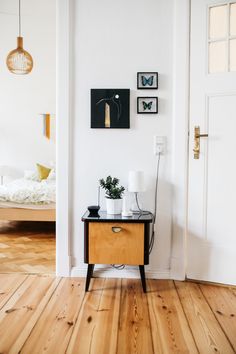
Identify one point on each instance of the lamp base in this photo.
(127, 213)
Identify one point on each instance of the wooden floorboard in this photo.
(44, 314)
(134, 324)
(97, 326)
(206, 330)
(20, 314)
(169, 326)
(58, 319)
(222, 302)
(9, 283)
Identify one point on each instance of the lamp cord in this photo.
(19, 18)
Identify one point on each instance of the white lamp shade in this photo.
(136, 181)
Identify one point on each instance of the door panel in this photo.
(221, 178)
(212, 177)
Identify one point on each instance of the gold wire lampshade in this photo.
(19, 61)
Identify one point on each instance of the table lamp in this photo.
(136, 184)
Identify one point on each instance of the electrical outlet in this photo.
(159, 145)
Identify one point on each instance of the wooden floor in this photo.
(27, 247)
(43, 314)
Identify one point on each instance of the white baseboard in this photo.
(127, 272)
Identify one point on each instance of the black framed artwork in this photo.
(110, 108)
(147, 80)
(147, 105)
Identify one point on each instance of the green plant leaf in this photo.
(112, 190)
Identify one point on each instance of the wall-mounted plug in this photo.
(159, 144)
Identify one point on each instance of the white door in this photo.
(212, 177)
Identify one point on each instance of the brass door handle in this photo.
(197, 137)
(116, 229)
(201, 136)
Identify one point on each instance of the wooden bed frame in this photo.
(19, 214)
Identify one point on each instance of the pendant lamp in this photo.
(19, 61)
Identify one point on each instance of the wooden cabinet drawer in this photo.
(116, 243)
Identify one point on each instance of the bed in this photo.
(28, 199)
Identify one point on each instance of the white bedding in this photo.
(25, 191)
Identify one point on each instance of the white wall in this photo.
(22, 98)
(113, 40)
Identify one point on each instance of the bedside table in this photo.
(114, 239)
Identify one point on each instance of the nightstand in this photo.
(113, 239)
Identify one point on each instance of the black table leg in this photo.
(142, 273)
(89, 275)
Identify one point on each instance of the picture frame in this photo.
(147, 105)
(147, 80)
(110, 108)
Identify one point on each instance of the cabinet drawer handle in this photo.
(116, 229)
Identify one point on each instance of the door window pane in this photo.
(233, 19)
(218, 22)
(217, 57)
(232, 50)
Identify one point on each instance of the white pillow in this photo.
(31, 175)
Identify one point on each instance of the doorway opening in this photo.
(28, 140)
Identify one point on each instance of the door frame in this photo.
(63, 113)
(180, 136)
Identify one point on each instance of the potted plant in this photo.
(113, 194)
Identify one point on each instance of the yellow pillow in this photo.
(43, 171)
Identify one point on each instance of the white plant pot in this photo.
(114, 206)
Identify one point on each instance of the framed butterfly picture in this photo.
(147, 80)
(147, 105)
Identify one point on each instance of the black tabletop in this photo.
(104, 217)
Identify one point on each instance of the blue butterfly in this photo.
(147, 105)
(147, 81)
